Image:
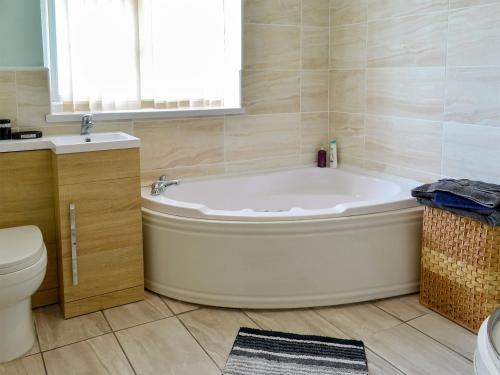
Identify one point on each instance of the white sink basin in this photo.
(69, 144)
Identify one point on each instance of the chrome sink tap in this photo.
(87, 124)
(162, 184)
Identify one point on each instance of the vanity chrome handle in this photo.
(74, 260)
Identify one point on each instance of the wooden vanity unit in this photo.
(98, 264)
(101, 191)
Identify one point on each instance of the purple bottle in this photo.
(322, 158)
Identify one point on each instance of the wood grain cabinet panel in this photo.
(26, 198)
(96, 166)
(106, 196)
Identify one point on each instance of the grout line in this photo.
(253, 320)
(329, 93)
(201, 346)
(39, 348)
(363, 158)
(120, 344)
(301, 79)
(446, 50)
(76, 342)
(439, 342)
(394, 315)
(187, 312)
(142, 324)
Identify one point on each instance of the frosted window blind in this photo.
(118, 55)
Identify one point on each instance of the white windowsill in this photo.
(145, 114)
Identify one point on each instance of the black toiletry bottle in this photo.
(5, 129)
(322, 158)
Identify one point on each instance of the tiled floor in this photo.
(163, 336)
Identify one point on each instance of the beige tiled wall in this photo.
(285, 93)
(408, 87)
(415, 86)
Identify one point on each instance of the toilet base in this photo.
(17, 332)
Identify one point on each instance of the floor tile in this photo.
(165, 347)
(32, 365)
(35, 349)
(100, 355)
(447, 333)
(359, 320)
(216, 329)
(303, 322)
(149, 310)
(309, 322)
(404, 308)
(414, 353)
(54, 331)
(379, 366)
(179, 307)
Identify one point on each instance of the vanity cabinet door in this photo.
(108, 237)
(108, 225)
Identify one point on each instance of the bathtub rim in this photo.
(348, 209)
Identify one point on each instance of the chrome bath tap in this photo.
(87, 125)
(162, 184)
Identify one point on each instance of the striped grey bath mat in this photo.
(257, 352)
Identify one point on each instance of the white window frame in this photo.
(50, 62)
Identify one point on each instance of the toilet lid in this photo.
(20, 247)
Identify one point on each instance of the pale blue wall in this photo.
(20, 33)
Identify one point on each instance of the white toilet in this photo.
(487, 356)
(23, 262)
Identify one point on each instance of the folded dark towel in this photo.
(475, 199)
(485, 194)
(492, 218)
(442, 198)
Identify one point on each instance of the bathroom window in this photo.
(127, 58)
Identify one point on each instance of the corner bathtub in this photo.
(296, 238)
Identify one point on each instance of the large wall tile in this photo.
(280, 12)
(348, 47)
(473, 95)
(468, 3)
(255, 165)
(175, 143)
(271, 47)
(8, 103)
(148, 176)
(349, 131)
(408, 41)
(271, 92)
(33, 99)
(347, 90)
(345, 12)
(474, 36)
(471, 151)
(407, 92)
(313, 135)
(259, 137)
(404, 142)
(398, 170)
(314, 91)
(315, 12)
(381, 9)
(59, 128)
(315, 47)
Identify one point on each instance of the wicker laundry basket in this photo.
(460, 273)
